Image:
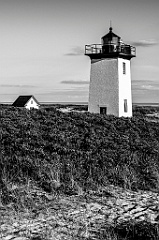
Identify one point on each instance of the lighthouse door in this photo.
(103, 110)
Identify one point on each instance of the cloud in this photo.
(74, 82)
(145, 85)
(16, 86)
(60, 95)
(76, 51)
(145, 43)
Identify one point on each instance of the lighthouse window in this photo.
(124, 68)
(125, 105)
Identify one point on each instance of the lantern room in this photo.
(111, 46)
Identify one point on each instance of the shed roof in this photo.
(21, 101)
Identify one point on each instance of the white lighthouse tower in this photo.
(110, 80)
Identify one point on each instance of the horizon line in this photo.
(85, 103)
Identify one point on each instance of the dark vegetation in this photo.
(89, 149)
(132, 231)
(65, 152)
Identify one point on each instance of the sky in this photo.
(42, 46)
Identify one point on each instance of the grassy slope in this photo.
(65, 153)
(49, 146)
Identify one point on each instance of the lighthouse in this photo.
(110, 77)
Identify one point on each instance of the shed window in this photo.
(31, 101)
(103, 110)
(125, 105)
(124, 68)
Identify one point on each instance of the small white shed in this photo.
(28, 102)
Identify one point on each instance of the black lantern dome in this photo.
(110, 42)
(110, 38)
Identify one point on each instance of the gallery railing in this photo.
(109, 49)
